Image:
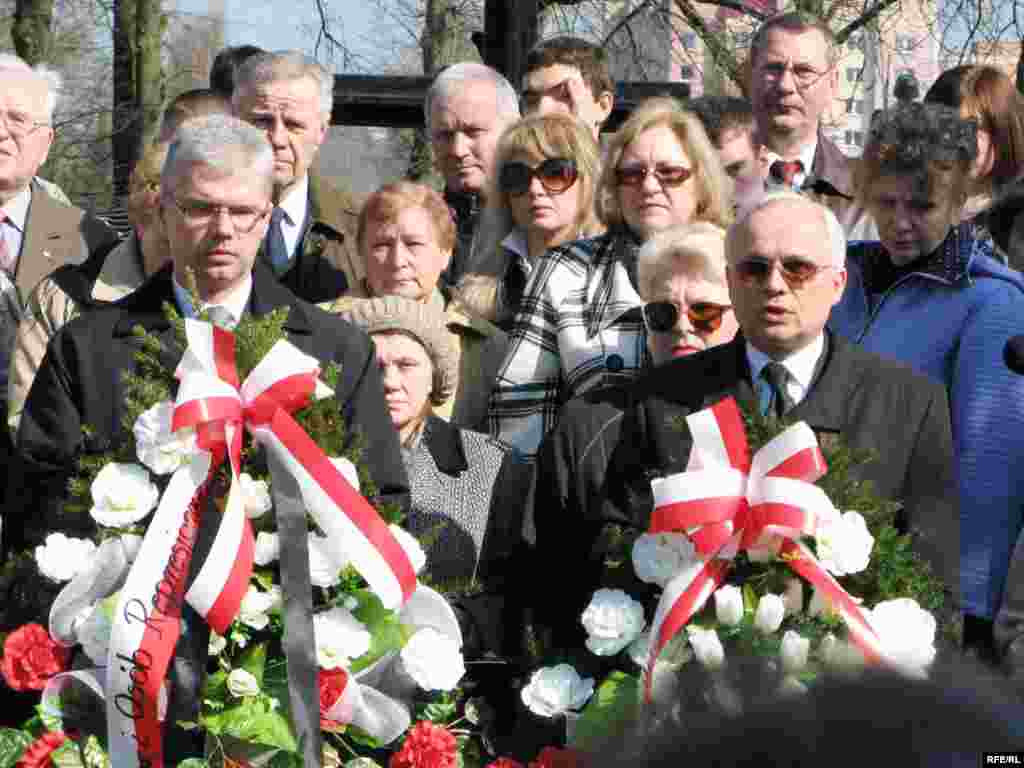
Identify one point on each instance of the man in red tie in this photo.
(794, 80)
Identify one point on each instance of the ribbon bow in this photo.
(727, 502)
(213, 402)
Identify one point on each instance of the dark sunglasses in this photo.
(667, 175)
(663, 316)
(795, 272)
(556, 175)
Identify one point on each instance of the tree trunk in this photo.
(32, 29)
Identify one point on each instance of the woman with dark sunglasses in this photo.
(681, 277)
(930, 293)
(541, 196)
(579, 324)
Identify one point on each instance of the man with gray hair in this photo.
(467, 108)
(311, 239)
(784, 266)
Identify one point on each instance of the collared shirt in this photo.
(800, 366)
(806, 157)
(572, 333)
(295, 204)
(235, 303)
(13, 230)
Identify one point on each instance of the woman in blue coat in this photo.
(931, 294)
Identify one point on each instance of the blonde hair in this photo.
(712, 187)
(699, 248)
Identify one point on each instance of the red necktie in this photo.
(8, 260)
(784, 172)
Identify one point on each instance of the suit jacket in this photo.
(832, 166)
(595, 468)
(80, 384)
(326, 262)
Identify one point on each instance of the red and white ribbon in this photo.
(727, 502)
(211, 400)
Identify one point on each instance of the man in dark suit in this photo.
(216, 191)
(785, 271)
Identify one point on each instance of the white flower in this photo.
(257, 496)
(254, 608)
(156, 446)
(268, 548)
(770, 613)
(340, 637)
(707, 647)
(640, 650)
(613, 620)
(793, 597)
(794, 651)
(907, 634)
(122, 494)
(323, 572)
(657, 557)
(348, 471)
(844, 543)
(555, 690)
(790, 686)
(61, 558)
(433, 660)
(242, 683)
(217, 644)
(94, 633)
(840, 656)
(413, 550)
(729, 605)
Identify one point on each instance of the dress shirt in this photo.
(800, 366)
(295, 205)
(236, 302)
(806, 157)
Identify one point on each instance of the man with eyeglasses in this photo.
(794, 82)
(215, 206)
(785, 272)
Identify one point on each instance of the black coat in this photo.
(595, 467)
(80, 384)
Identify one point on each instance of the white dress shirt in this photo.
(806, 157)
(235, 302)
(800, 366)
(294, 205)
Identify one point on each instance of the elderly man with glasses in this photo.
(784, 266)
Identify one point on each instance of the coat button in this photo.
(614, 363)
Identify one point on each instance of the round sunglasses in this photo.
(704, 316)
(556, 174)
(667, 175)
(795, 271)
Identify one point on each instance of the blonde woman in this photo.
(574, 329)
(541, 196)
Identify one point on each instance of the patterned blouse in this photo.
(578, 327)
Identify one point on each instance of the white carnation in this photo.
(844, 543)
(255, 607)
(122, 494)
(657, 557)
(257, 496)
(268, 548)
(156, 446)
(553, 691)
(907, 634)
(729, 605)
(433, 660)
(613, 620)
(413, 550)
(217, 644)
(61, 558)
(340, 637)
(770, 613)
(707, 647)
(794, 651)
(323, 571)
(242, 683)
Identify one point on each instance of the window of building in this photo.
(854, 74)
(688, 40)
(854, 106)
(855, 138)
(905, 43)
(685, 72)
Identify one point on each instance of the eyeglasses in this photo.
(803, 74)
(663, 316)
(667, 175)
(556, 174)
(200, 213)
(20, 124)
(796, 272)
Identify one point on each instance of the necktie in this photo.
(783, 172)
(274, 248)
(774, 396)
(221, 316)
(8, 260)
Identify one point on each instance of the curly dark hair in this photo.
(930, 142)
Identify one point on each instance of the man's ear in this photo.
(605, 102)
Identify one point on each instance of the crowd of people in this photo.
(515, 350)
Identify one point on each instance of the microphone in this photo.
(1013, 354)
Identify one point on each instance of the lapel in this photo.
(824, 407)
(52, 238)
(445, 445)
(833, 166)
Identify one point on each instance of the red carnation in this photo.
(332, 684)
(426, 746)
(38, 753)
(504, 762)
(31, 657)
(552, 757)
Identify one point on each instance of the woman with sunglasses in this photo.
(931, 294)
(575, 329)
(681, 276)
(541, 196)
